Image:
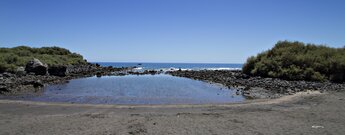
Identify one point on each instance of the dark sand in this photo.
(312, 113)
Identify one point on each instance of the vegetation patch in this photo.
(299, 61)
(12, 58)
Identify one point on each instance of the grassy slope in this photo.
(12, 58)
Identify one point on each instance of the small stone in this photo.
(316, 127)
(246, 88)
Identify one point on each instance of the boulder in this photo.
(99, 74)
(35, 83)
(37, 67)
(7, 75)
(20, 71)
(3, 90)
(58, 70)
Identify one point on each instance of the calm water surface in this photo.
(133, 89)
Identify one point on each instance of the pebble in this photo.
(316, 127)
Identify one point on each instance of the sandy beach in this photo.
(302, 113)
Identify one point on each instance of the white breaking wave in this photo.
(138, 68)
(196, 69)
(223, 69)
(141, 69)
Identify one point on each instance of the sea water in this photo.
(173, 66)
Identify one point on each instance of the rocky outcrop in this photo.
(37, 67)
(15, 84)
(58, 70)
(145, 72)
(37, 77)
(83, 69)
(75, 70)
(20, 71)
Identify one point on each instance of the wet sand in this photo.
(302, 113)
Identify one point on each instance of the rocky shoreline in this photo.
(257, 87)
(33, 80)
(23, 82)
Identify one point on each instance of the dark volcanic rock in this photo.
(83, 69)
(37, 67)
(3, 90)
(146, 72)
(20, 71)
(57, 70)
(33, 81)
(99, 74)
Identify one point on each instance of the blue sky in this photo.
(216, 31)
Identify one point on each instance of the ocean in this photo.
(174, 66)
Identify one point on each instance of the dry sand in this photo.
(303, 113)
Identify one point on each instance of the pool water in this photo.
(138, 89)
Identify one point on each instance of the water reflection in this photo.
(133, 89)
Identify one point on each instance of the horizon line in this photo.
(166, 62)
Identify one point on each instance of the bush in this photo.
(249, 65)
(299, 61)
(12, 58)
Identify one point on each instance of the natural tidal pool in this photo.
(134, 89)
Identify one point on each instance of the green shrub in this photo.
(299, 61)
(249, 65)
(12, 58)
